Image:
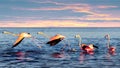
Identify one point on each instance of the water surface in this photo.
(28, 55)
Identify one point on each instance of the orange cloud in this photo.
(45, 23)
(57, 23)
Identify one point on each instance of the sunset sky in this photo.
(59, 13)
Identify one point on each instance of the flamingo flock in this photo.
(54, 40)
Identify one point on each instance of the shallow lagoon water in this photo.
(28, 55)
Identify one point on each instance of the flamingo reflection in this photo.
(60, 54)
(20, 55)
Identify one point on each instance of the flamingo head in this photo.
(25, 35)
(107, 36)
(92, 46)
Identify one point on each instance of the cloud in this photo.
(57, 23)
(104, 19)
(57, 3)
(106, 6)
(90, 18)
(44, 23)
(105, 24)
(75, 7)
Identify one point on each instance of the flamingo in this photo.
(6, 32)
(111, 49)
(87, 48)
(54, 39)
(21, 36)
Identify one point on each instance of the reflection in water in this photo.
(88, 52)
(82, 56)
(20, 55)
(109, 54)
(60, 54)
(112, 53)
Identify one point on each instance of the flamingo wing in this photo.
(18, 41)
(54, 42)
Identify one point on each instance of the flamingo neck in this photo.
(108, 43)
(45, 35)
(80, 41)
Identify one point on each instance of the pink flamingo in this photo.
(87, 48)
(111, 49)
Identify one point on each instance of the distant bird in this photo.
(87, 48)
(7, 32)
(111, 49)
(43, 34)
(21, 36)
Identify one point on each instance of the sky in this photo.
(59, 13)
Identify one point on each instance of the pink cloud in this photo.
(44, 23)
(105, 24)
(91, 18)
(59, 3)
(80, 8)
(57, 23)
(106, 6)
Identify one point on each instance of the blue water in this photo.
(28, 55)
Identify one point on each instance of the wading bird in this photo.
(86, 48)
(111, 49)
